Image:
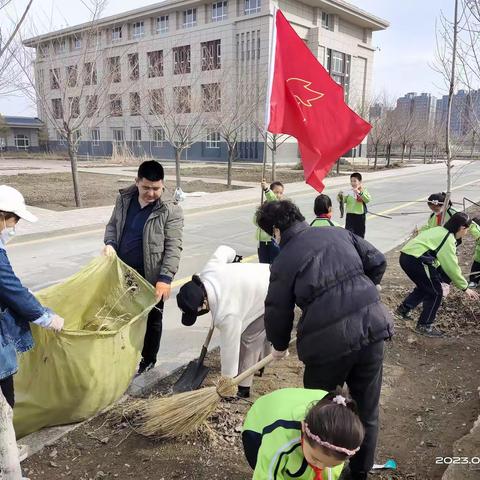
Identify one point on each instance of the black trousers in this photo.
(267, 252)
(428, 288)
(475, 272)
(356, 224)
(362, 372)
(6, 385)
(153, 334)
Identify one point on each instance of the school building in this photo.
(152, 53)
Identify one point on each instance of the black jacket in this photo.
(331, 274)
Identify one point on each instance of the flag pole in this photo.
(270, 70)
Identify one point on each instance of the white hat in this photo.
(12, 201)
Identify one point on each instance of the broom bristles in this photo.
(177, 415)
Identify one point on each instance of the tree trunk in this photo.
(433, 154)
(404, 146)
(274, 165)
(449, 113)
(473, 145)
(73, 162)
(376, 157)
(424, 154)
(231, 156)
(178, 154)
(338, 167)
(9, 461)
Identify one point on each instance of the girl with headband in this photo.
(303, 434)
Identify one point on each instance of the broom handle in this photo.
(262, 363)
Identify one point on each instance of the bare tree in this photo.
(273, 142)
(75, 97)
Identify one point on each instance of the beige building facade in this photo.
(136, 78)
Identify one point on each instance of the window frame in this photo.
(115, 130)
(224, 8)
(154, 139)
(134, 131)
(158, 24)
(215, 62)
(138, 111)
(25, 139)
(178, 63)
(95, 139)
(213, 144)
(141, 25)
(113, 97)
(77, 42)
(154, 70)
(193, 22)
(249, 10)
(115, 31)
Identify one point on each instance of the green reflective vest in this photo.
(260, 235)
(324, 222)
(353, 205)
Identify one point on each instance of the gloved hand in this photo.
(279, 355)
(379, 287)
(56, 323)
(162, 291)
(264, 185)
(108, 251)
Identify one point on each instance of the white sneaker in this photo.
(473, 285)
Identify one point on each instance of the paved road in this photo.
(42, 262)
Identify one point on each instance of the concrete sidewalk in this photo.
(96, 217)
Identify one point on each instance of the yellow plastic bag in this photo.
(69, 376)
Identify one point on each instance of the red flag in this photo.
(307, 103)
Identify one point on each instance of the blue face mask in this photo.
(7, 234)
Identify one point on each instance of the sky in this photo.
(405, 50)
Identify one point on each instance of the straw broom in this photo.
(180, 414)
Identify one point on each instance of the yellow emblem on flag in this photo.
(302, 92)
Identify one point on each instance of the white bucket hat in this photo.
(12, 201)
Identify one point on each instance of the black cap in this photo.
(189, 299)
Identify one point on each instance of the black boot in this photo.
(145, 366)
(403, 311)
(243, 392)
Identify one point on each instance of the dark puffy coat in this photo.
(331, 274)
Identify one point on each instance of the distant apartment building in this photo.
(465, 111)
(421, 108)
(176, 48)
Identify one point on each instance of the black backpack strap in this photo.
(442, 243)
(330, 222)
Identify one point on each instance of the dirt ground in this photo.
(54, 191)
(429, 400)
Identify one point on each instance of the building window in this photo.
(54, 78)
(116, 34)
(134, 103)
(211, 55)
(95, 136)
(115, 106)
(219, 11)
(71, 71)
(74, 103)
(115, 69)
(183, 99)
(43, 50)
(59, 46)
(118, 135)
(57, 108)
(252, 6)
(158, 136)
(76, 136)
(138, 29)
(92, 105)
(133, 65)
(22, 142)
(189, 18)
(89, 74)
(77, 42)
(212, 139)
(338, 65)
(162, 24)
(211, 97)
(155, 64)
(156, 101)
(181, 60)
(327, 21)
(136, 134)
